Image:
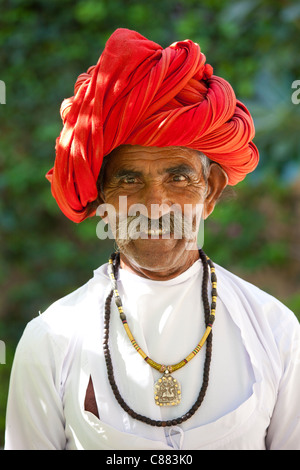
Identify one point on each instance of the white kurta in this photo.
(252, 401)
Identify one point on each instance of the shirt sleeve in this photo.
(35, 418)
(284, 430)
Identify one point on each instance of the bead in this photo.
(118, 301)
(110, 269)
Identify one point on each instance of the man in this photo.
(160, 349)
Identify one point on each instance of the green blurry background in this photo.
(44, 46)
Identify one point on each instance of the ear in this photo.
(101, 207)
(97, 207)
(216, 182)
(100, 198)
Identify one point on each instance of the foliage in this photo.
(252, 233)
(45, 45)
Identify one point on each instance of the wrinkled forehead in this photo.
(139, 156)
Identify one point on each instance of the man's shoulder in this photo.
(67, 317)
(262, 305)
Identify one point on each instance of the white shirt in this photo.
(252, 401)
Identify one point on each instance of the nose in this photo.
(155, 201)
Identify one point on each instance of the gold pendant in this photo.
(167, 391)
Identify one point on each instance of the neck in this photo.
(160, 273)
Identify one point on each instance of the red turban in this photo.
(142, 94)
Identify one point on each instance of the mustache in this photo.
(140, 226)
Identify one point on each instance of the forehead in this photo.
(142, 158)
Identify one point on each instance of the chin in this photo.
(154, 254)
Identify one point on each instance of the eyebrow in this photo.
(183, 168)
(127, 172)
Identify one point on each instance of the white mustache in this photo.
(172, 224)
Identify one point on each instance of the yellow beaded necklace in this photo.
(167, 390)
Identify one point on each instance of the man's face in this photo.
(156, 179)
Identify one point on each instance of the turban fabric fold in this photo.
(141, 94)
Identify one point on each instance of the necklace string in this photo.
(209, 312)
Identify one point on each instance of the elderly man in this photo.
(161, 349)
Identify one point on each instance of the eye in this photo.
(129, 180)
(180, 178)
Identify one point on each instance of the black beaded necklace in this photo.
(209, 318)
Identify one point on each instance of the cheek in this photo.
(112, 193)
(113, 197)
(192, 202)
(193, 214)
(193, 194)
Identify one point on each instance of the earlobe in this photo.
(216, 183)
